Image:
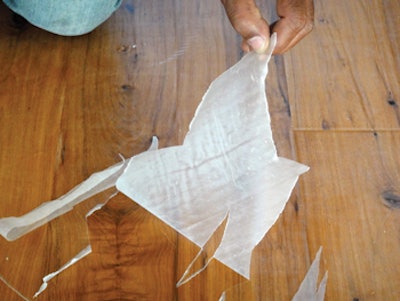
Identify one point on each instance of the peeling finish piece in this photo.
(226, 174)
(227, 166)
(205, 255)
(11, 228)
(86, 251)
(308, 289)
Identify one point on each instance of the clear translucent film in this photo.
(225, 176)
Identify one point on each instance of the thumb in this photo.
(247, 20)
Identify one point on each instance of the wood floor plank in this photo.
(349, 197)
(88, 100)
(344, 75)
(111, 91)
(70, 106)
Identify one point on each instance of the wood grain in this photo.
(70, 106)
(349, 64)
(344, 202)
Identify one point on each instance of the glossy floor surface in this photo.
(71, 106)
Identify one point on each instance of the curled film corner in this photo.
(226, 175)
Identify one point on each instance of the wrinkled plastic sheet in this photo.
(226, 174)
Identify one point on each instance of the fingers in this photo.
(246, 19)
(296, 21)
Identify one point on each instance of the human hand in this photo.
(296, 21)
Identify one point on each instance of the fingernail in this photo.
(258, 44)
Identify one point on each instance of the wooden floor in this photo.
(69, 106)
